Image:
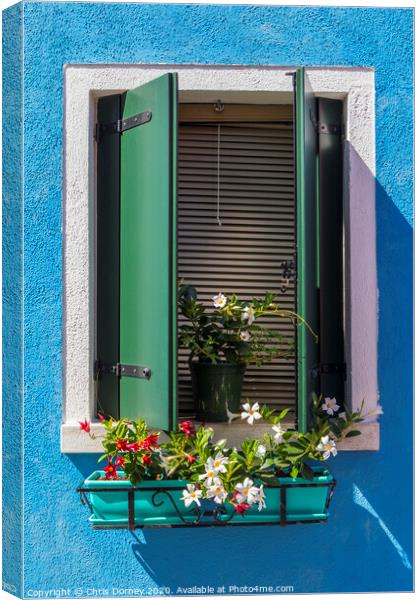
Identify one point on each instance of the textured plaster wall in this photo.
(12, 299)
(367, 543)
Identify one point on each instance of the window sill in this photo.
(75, 441)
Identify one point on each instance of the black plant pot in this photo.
(217, 389)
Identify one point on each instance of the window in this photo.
(236, 224)
(141, 250)
(155, 224)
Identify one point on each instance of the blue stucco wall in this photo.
(367, 543)
(12, 408)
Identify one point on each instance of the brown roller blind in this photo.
(246, 253)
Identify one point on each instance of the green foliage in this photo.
(133, 447)
(191, 454)
(230, 332)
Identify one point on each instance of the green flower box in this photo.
(117, 503)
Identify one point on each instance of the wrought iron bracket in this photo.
(122, 370)
(122, 125)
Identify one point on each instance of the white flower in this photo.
(191, 494)
(213, 468)
(248, 314)
(260, 498)
(246, 492)
(245, 336)
(218, 463)
(376, 411)
(327, 447)
(261, 451)
(217, 492)
(250, 413)
(219, 301)
(278, 436)
(210, 475)
(330, 406)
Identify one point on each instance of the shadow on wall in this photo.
(367, 543)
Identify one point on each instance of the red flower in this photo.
(187, 427)
(134, 447)
(150, 442)
(120, 461)
(122, 444)
(110, 470)
(147, 459)
(242, 508)
(101, 417)
(85, 426)
(190, 458)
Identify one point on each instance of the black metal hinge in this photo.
(121, 370)
(329, 369)
(121, 125)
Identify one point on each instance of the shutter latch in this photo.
(122, 125)
(329, 369)
(121, 370)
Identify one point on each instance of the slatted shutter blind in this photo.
(246, 254)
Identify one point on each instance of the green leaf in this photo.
(352, 433)
(282, 465)
(266, 477)
(268, 463)
(294, 472)
(292, 450)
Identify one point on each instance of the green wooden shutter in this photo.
(108, 255)
(136, 252)
(307, 243)
(331, 310)
(148, 253)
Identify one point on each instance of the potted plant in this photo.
(191, 479)
(223, 342)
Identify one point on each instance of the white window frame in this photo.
(83, 84)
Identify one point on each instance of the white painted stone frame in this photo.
(83, 85)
